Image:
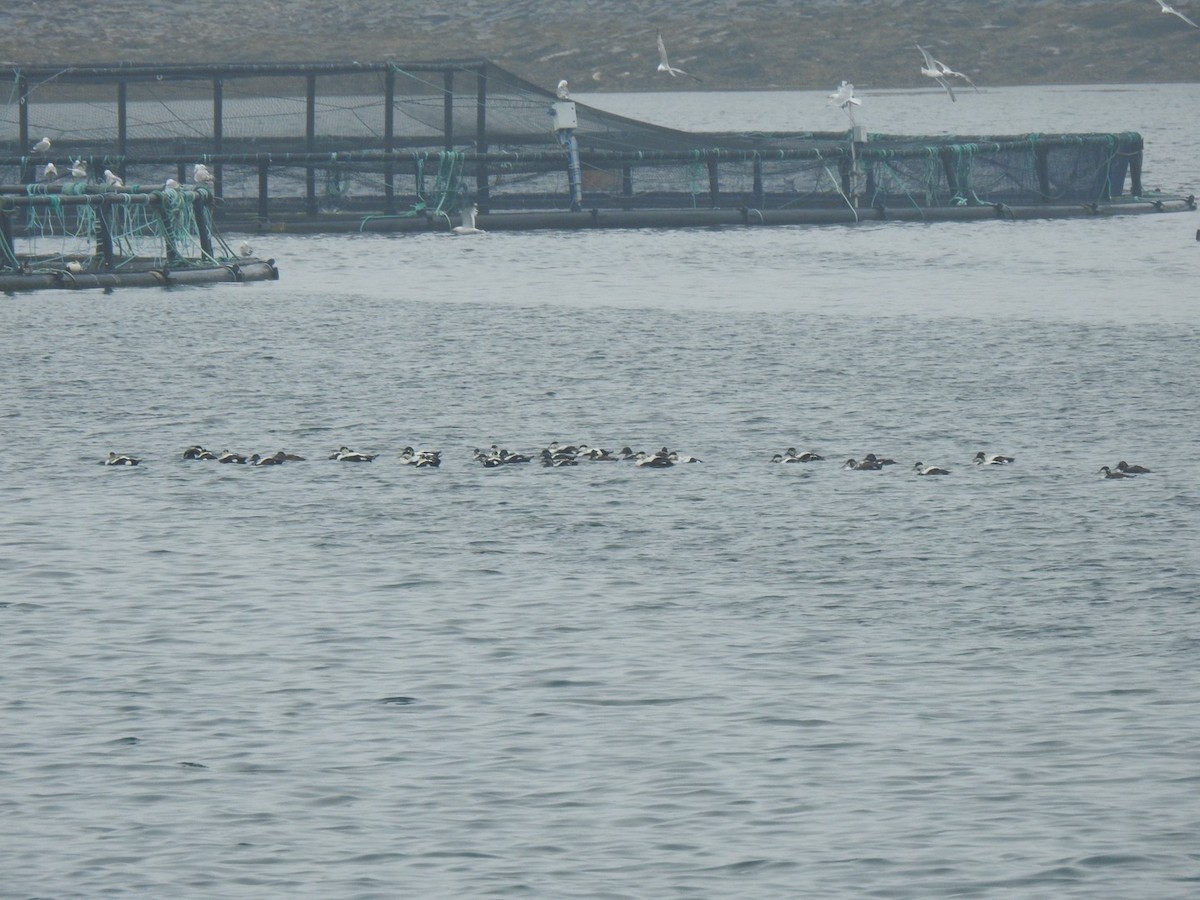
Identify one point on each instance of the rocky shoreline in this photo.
(609, 45)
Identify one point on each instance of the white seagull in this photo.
(1170, 10)
(562, 93)
(244, 249)
(664, 64)
(42, 146)
(843, 98)
(112, 179)
(79, 169)
(468, 221)
(939, 71)
(201, 174)
(170, 185)
(50, 172)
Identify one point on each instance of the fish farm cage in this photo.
(406, 146)
(82, 235)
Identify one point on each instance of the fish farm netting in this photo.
(410, 138)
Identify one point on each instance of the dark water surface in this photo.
(725, 679)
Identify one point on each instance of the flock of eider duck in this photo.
(557, 455)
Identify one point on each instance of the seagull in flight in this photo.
(468, 214)
(561, 92)
(1170, 10)
(939, 72)
(42, 146)
(843, 98)
(664, 65)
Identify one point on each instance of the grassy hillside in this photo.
(609, 44)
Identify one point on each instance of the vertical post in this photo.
(1135, 171)
(1041, 163)
(310, 144)
(263, 218)
(104, 241)
(122, 125)
(201, 215)
(448, 109)
(8, 255)
(168, 232)
(419, 177)
(714, 188)
(950, 170)
(389, 141)
(181, 173)
(218, 128)
(858, 143)
(566, 121)
(481, 142)
(23, 128)
(627, 180)
(759, 201)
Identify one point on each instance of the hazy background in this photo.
(609, 44)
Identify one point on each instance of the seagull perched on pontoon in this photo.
(79, 169)
(170, 184)
(1172, 11)
(664, 65)
(112, 179)
(42, 146)
(50, 172)
(561, 91)
(939, 72)
(202, 175)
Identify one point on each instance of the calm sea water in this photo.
(729, 679)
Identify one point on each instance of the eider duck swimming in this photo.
(227, 456)
(345, 454)
(198, 452)
(425, 459)
(878, 460)
(674, 457)
(790, 455)
(1115, 473)
(557, 460)
(114, 460)
(655, 461)
(992, 459)
(865, 465)
(1125, 467)
(922, 469)
(290, 457)
(275, 459)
